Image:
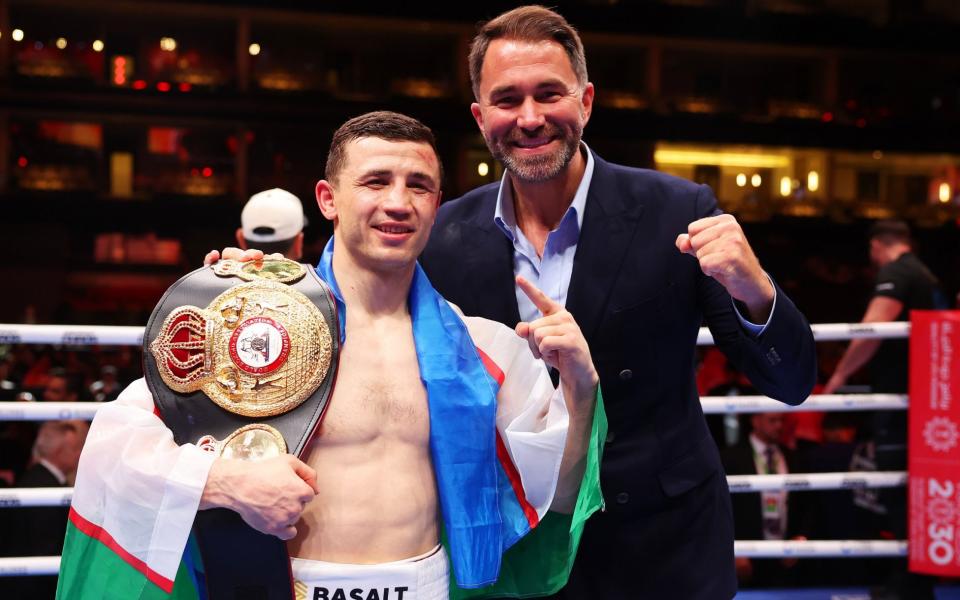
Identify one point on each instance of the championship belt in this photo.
(241, 359)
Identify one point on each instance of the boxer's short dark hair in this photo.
(383, 124)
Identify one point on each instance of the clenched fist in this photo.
(720, 246)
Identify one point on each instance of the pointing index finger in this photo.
(544, 303)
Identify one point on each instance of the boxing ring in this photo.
(80, 336)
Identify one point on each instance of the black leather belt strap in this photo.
(239, 562)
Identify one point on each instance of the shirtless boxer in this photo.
(364, 511)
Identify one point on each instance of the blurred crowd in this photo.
(46, 454)
(55, 374)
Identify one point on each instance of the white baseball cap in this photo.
(272, 216)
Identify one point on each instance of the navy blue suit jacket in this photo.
(666, 530)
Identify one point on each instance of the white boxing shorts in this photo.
(424, 577)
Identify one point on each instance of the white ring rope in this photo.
(20, 566)
(48, 411)
(27, 497)
(713, 405)
(819, 548)
(833, 332)
(110, 335)
(71, 335)
(809, 481)
(24, 497)
(49, 565)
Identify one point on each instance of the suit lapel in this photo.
(489, 267)
(609, 222)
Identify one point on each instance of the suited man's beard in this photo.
(536, 169)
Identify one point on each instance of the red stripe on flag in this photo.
(531, 513)
(505, 461)
(100, 534)
(491, 367)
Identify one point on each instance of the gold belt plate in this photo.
(258, 350)
(254, 442)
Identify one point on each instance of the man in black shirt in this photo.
(903, 284)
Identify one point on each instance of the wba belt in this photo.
(241, 359)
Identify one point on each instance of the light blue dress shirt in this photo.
(551, 272)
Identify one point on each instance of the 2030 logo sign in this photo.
(941, 513)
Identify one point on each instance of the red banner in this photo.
(934, 442)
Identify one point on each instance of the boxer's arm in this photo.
(269, 495)
(132, 452)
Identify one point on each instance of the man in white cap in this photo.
(273, 221)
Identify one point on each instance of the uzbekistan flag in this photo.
(134, 501)
(540, 545)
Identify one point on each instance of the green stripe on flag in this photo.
(540, 563)
(90, 570)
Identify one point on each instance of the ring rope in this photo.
(113, 335)
(812, 481)
(712, 405)
(50, 565)
(71, 335)
(31, 497)
(48, 411)
(20, 566)
(819, 548)
(833, 332)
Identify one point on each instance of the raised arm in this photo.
(557, 338)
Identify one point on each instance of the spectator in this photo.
(765, 515)
(8, 388)
(273, 221)
(108, 387)
(39, 531)
(61, 387)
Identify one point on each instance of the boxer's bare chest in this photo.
(378, 393)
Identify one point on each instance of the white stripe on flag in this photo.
(532, 417)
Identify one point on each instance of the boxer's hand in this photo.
(231, 253)
(720, 246)
(557, 339)
(269, 495)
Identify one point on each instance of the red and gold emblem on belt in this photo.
(259, 346)
(258, 350)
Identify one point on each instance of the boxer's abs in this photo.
(377, 500)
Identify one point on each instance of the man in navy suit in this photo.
(640, 259)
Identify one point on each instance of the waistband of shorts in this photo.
(429, 554)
